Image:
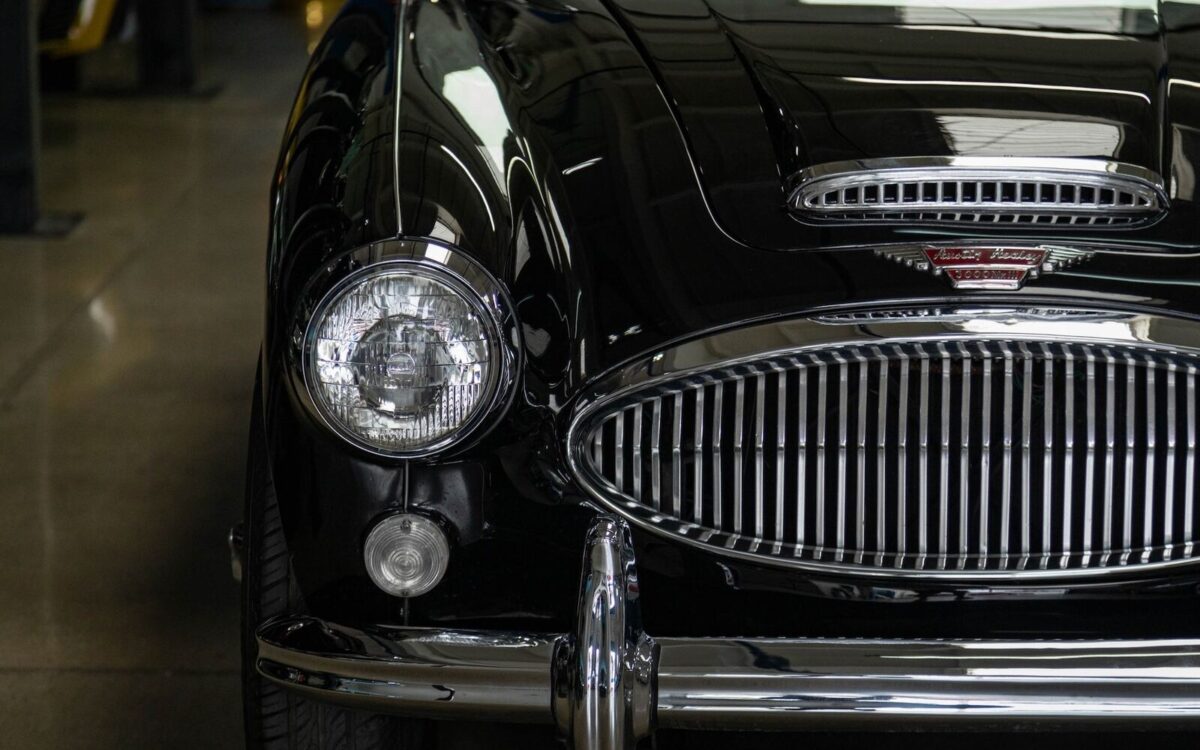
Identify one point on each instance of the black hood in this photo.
(764, 89)
(623, 165)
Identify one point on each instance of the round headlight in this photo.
(402, 358)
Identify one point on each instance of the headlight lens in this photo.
(402, 358)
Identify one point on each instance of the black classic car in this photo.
(640, 369)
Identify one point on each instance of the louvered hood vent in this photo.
(1026, 191)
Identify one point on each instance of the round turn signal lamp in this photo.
(406, 555)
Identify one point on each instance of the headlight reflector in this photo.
(402, 357)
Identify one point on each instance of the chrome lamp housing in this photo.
(406, 348)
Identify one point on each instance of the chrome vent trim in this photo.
(981, 190)
(975, 438)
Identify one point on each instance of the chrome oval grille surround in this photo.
(1027, 191)
(910, 466)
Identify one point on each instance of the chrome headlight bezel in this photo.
(449, 266)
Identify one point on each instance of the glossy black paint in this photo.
(621, 168)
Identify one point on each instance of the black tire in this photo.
(275, 718)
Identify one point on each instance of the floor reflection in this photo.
(129, 353)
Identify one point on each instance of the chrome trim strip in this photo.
(800, 341)
(607, 685)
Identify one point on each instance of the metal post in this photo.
(19, 128)
(167, 45)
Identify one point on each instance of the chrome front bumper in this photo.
(609, 684)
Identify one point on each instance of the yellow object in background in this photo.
(87, 33)
(318, 14)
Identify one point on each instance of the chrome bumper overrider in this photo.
(608, 684)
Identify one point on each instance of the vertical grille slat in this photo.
(802, 462)
(619, 453)
(944, 463)
(1151, 446)
(923, 465)
(739, 478)
(656, 453)
(718, 499)
(1026, 455)
(1007, 444)
(881, 459)
(637, 450)
(860, 458)
(760, 389)
(676, 455)
(1047, 454)
(964, 463)
(781, 415)
(985, 460)
(1172, 462)
(902, 462)
(819, 493)
(1110, 445)
(928, 457)
(839, 502)
(1130, 446)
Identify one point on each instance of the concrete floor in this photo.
(128, 358)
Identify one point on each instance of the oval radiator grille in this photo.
(924, 458)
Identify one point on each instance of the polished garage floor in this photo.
(127, 355)
(126, 360)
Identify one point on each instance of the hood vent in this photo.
(1025, 191)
